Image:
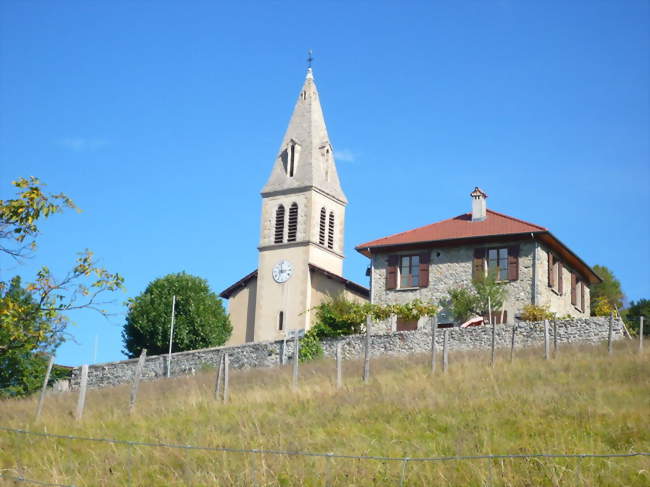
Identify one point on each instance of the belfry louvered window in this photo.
(279, 225)
(323, 224)
(330, 231)
(293, 222)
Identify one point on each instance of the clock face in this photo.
(282, 271)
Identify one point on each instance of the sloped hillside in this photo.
(582, 401)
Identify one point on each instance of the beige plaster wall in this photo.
(241, 308)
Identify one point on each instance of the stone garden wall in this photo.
(270, 354)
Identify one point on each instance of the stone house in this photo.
(427, 262)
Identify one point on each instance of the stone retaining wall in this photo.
(269, 354)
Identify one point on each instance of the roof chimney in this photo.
(479, 207)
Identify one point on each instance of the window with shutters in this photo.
(577, 292)
(323, 224)
(330, 231)
(293, 223)
(409, 271)
(555, 277)
(497, 263)
(279, 225)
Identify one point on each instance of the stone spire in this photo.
(306, 156)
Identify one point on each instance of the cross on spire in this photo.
(310, 58)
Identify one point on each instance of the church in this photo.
(301, 234)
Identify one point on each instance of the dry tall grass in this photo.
(582, 401)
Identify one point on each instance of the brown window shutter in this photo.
(582, 296)
(551, 281)
(425, 259)
(560, 284)
(573, 289)
(391, 272)
(513, 263)
(478, 268)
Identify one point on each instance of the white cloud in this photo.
(81, 144)
(345, 155)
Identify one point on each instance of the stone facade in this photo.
(451, 267)
(271, 354)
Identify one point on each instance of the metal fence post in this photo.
(41, 398)
(217, 388)
(226, 378)
(296, 359)
(445, 350)
(136, 379)
(366, 358)
(640, 334)
(546, 341)
(609, 333)
(82, 392)
(403, 476)
(339, 366)
(434, 326)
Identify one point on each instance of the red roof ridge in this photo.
(543, 229)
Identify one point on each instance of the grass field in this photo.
(583, 401)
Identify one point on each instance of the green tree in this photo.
(609, 289)
(200, 320)
(32, 317)
(634, 312)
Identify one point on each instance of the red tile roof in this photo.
(496, 225)
(461, 226)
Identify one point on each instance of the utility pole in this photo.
(171, 336)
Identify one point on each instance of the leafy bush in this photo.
(338, 316)
(310, 346)
(600, 306)
(532, 312)
(486, 292)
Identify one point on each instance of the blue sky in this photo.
(162, 121)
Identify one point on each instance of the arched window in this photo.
(293, 222)
(323, 223)
(279, 225)
(330, 231)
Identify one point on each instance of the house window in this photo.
(330, 231)
(497, 263)
(281, 320)
(293, 223)
(279, 225)
(409, 271)
(555, 278)
(323, 224)
(577, 292)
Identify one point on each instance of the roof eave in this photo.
(367, 249)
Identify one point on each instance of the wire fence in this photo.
(405, 461)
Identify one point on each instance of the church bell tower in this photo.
(303, 216)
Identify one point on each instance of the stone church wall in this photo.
(270, 354)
